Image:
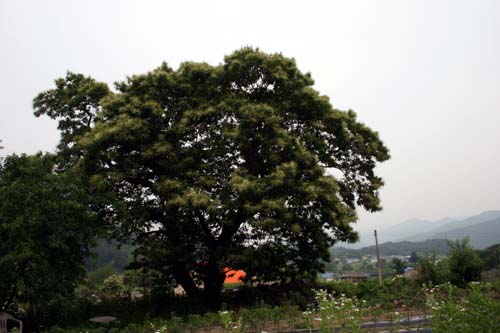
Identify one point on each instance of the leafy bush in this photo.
(100, 274)
(463, 262)
(477, 312)
(113, 287)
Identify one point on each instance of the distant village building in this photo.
(403, 258)
(370, 259)
(408, 270)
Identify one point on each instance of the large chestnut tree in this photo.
(242, 165)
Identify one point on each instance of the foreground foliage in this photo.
(345, 306)
(46, 230)
(476, 311)
(461, 265)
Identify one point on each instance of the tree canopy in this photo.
(463, 262)
(240, 165)
(46, 229)
(398, 265)
(75, 103)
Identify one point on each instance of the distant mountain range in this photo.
(483, 230)
(404, 248)
(482, 235)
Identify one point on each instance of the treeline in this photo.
(490, 256)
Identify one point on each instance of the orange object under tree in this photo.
(234, 276)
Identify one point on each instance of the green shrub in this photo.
(98, 276)
(478, 311)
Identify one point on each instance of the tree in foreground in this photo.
(430, 271)
(240, 165)
(46, 229)
(398, 265)
(463, 262)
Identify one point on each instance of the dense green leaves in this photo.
(46, 228)
(228, 165)
(463, 262)
(398, 265)
(490, 256)
(75, 103)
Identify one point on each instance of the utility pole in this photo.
(378, 259)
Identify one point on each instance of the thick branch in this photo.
(228, 231)
(203, 223)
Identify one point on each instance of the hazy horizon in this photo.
(425, 75)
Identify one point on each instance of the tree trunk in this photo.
(213, 283)
(209, 298)
(184, 278)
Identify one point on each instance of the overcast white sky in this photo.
(424, 74)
